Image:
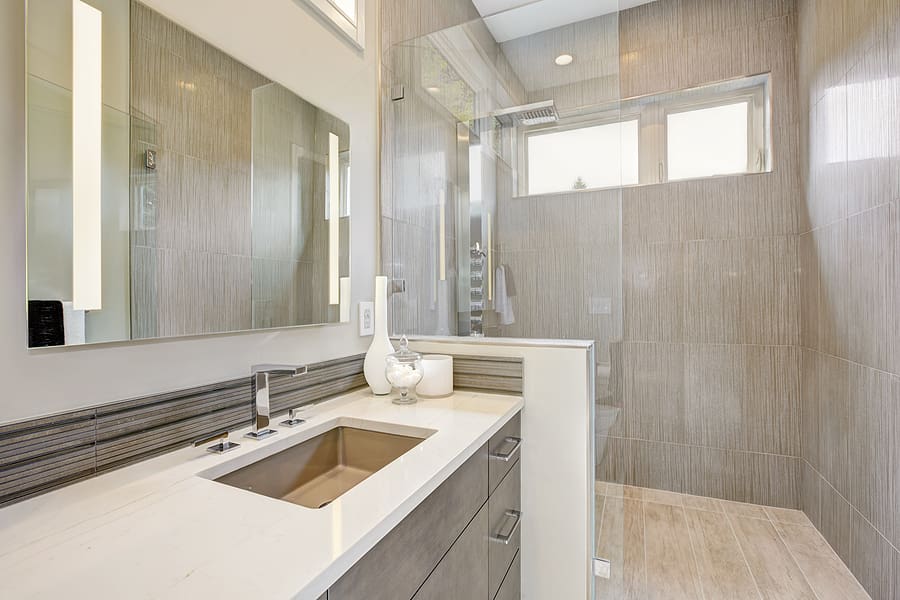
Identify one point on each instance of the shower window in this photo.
(718, 129)
(597, 156)
(708, 141)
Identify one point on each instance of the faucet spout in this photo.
(262, 396)
(292, 370)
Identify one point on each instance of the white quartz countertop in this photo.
(161, 529)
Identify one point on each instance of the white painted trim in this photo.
(355, 32)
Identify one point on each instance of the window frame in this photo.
(609, 116)
(755, 98)
(652, 112)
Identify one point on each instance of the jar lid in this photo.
(404, 354)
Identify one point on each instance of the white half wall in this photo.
(557, 459)
(284, 42)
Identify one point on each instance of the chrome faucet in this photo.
(261, 405)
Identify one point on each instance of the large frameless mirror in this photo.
(173, 190)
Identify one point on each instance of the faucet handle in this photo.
(294, 418)
(222, 447)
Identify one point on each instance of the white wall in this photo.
(286, 43)
(557, 459)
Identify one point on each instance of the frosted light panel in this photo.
(334, 219)
(589, 157)
(87, 107)
(707, 142)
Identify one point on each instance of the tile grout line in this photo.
(853, 509)
(849, 361)
(644, 541)
(687, 445)
(794, 558)
(743, 554)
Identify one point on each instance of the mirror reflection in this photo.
(176, 192)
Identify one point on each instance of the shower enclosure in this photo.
(620, 174)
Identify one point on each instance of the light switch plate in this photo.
(601, 305)
(366, 318)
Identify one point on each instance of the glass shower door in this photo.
(505, 152)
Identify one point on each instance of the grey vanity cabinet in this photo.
(505, 509)
(463, 573)
(398, 565)
(511, 588)
(461, 543)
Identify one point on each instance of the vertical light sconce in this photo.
(490, 258)
(442, 218)
(334, 219)
(87, 123)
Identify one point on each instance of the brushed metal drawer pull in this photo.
(508, 456)
(504, 538)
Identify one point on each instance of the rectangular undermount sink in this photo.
(316, 471)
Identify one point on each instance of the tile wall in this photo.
(191, 103)
(690, 289)
(205, 257)
(849, 244)
(698, 386)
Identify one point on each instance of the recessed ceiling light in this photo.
(433, 89)
(564, 60)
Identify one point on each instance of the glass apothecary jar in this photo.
(404, 370)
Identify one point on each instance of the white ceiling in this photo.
(511, 19)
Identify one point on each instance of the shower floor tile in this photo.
(663, 545)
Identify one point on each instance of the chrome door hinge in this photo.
(601, 568)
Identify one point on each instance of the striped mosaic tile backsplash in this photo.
(42, 454)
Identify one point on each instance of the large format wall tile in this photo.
(727, 474)
(825, 417)
(832, 308)
(849, 273)
(654, 279)
(872, 143)
(747, 206)
(719, 291)
(835, 519)
(724, 396)
(874, 440)
(743, 291)
(871, 559)
(810, 500)
(872, 312)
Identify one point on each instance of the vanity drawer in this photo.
(504, 527)
(504, 450)
(511, 589)
(398, 565)
(463, 572)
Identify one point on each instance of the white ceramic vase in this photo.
(374, 365)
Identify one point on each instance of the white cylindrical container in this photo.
(438, 378)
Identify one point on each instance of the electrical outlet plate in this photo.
(366, 318)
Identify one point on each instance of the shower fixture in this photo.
(538, 113)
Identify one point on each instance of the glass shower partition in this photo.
(505, 150)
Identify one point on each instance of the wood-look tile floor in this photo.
(671, 546)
